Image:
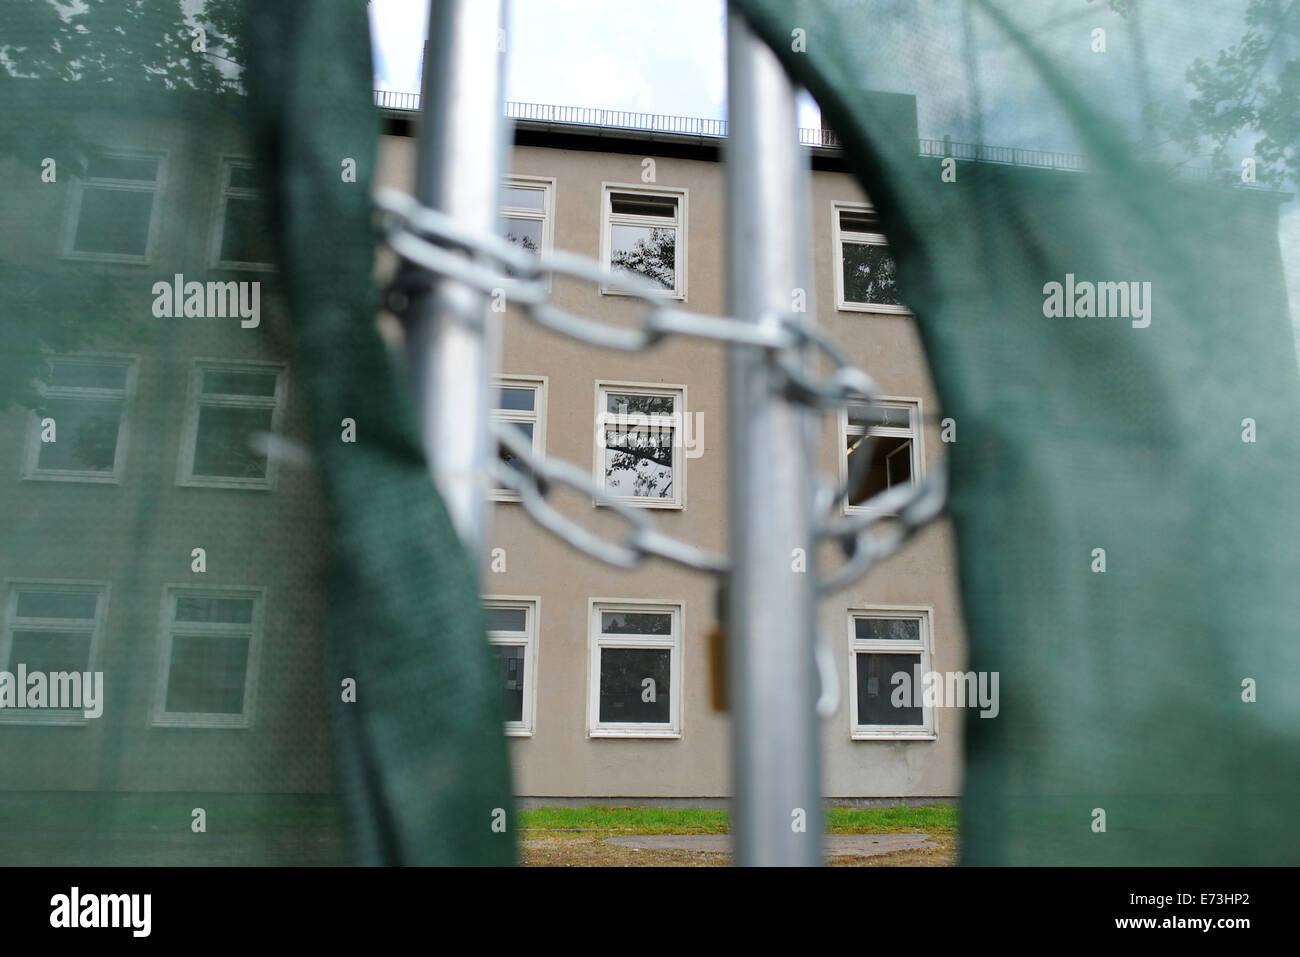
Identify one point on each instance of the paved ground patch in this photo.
(837, 845)
(578, 848)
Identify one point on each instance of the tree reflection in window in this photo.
(870, 274)
(639, 435)
(648, 252)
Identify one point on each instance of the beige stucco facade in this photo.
(132, 538)
(560, 758)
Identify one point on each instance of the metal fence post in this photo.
(772, 676)
(453, 337)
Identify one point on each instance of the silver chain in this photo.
(533, 482)
(435, 243)
(887, 522)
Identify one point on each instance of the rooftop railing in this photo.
(699, 126)
(609, 119)
(1010, 155)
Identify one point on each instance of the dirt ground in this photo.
(569, 850)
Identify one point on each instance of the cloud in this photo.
(397, 29)
(593, 53)
(671, 58)
(583, 53)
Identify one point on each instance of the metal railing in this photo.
(1008, 155)
(700, 126)
(393, 100)
(808, 136)
(609, 119)
(619, 119)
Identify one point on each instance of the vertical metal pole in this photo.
(453, 338)
(772, 674)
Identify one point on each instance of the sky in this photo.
(576, 53)
(607, 54)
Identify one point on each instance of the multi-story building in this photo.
(608, 672)
(156, 534)
(144, 534)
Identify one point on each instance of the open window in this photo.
(887, 432)
(113, 210)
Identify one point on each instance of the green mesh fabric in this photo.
(428, 773)
(314, 686)
(1121, 690)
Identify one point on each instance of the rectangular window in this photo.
(887, 434)
(512, 630)
(113, 210)
(639, 443)
(866, 278)
(80, 433)
(241, 235)
(527, 212)
(520, 401)
(644, 236)
(635, 670)
(52, 627)
(210, 648)
(233, 408)
(889, 650)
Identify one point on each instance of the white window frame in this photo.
(76, 192)
(226, 192)
(195, 399)
(838, 238)
(159, 716)
(546, 215)
(915, 432)
(596, 641)
(126, 395)
(539, 384)
(531, 606)
(678, 394)
(925, 645)
(608, 219)
(48, 716)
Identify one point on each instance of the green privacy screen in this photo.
(214, 496)
(1124, 473)
(213, 492)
